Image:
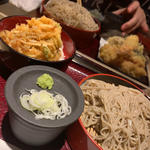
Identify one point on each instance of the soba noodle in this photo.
(117, 117)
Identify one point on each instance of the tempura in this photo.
(125, 54)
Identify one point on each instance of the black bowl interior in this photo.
(25, 78)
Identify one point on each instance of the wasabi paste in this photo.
(45, 81)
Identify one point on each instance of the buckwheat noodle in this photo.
(117, 117)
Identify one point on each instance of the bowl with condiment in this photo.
(116, 115)
(40, 108)
(37, 40)
(75, 20)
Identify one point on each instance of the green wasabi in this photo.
(45, 81)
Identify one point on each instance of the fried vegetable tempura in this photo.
(125, 54)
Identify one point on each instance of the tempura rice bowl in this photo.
(8, 23)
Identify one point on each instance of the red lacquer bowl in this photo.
(77, 135)
(82, 38)
(10, 22)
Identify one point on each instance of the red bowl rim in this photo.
(34, 59)
(101, 74)
(81, 30)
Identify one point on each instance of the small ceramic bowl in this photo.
(25, 127)
(82, 38)
(77, 135)
(10, 22)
